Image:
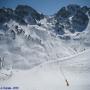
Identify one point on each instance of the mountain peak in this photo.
(72, 18)
(23, 14)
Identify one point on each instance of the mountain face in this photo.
(28, 38)
(23, 14)
(72, 18)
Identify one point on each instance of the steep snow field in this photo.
(36, 45)
(49, 76)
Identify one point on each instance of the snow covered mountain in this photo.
(28, 38)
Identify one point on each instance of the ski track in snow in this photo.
(49, 77)
(61, 59)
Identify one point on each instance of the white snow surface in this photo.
(39, 58)
(48, 76)
(36, 45)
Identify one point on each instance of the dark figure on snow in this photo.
(1, 62)
(67, 82)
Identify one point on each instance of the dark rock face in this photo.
(32, 15)
(79, 21)
(79, 18)
(24, 10)
(20, 14)
(5, 14)
(59, 29)
(66, 12)
(84, 9)
(72, 9)
(62, 13)
(89, 12)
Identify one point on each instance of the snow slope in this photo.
(79, 40)
(33, 46)
(48, 76)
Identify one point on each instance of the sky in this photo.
(47, 7)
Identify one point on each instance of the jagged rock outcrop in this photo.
(23, 14)
(73, 18)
